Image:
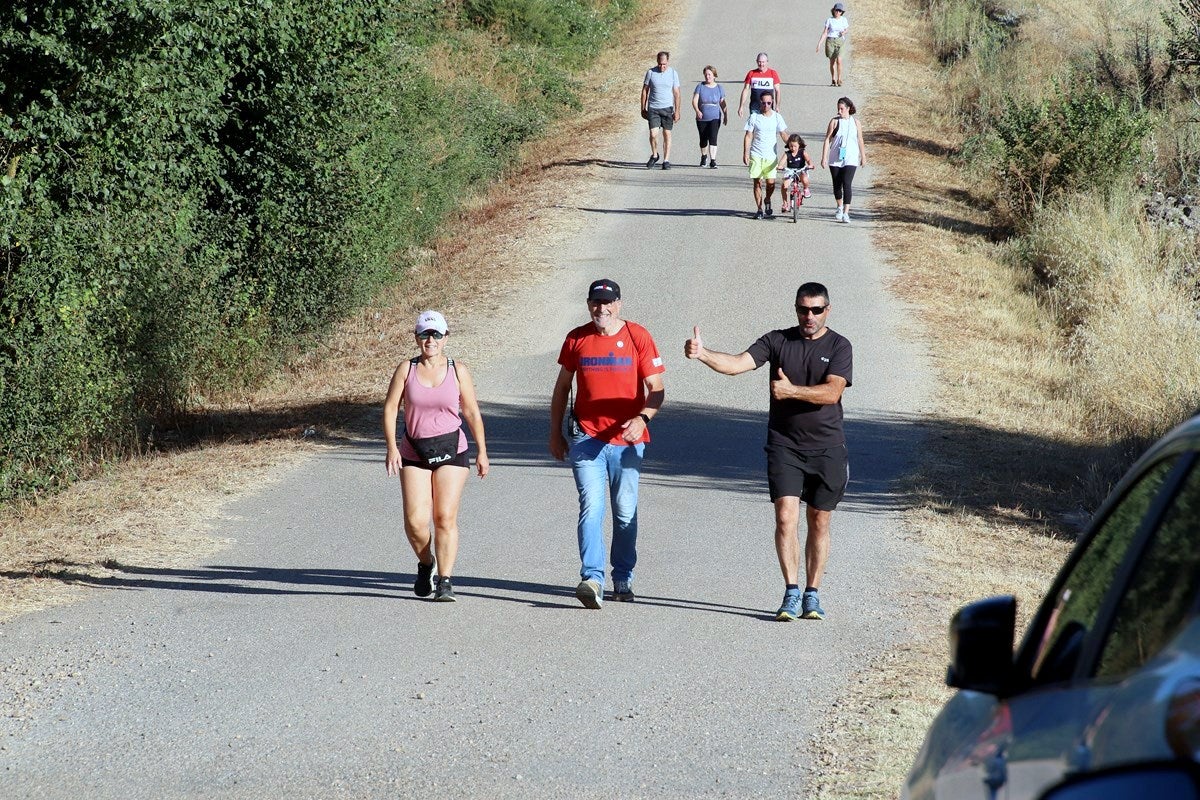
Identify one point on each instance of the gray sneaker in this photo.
(789, 610)
(445, 592)
(623, 591)
(590, 593)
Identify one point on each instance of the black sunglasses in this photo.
(816, 311)
(426, 334)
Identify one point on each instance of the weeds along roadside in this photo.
(1037, 276)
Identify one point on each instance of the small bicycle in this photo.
(795, 190)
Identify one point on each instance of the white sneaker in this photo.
(838, 215)
(846, 217)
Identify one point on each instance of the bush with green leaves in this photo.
(191, 193)
(1076, 139)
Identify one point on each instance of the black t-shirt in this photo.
(805, 362)
(795, 161)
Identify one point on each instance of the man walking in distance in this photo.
(660, 106)
(758, 152)
(760, 81)
(617, 373)
(811, 366)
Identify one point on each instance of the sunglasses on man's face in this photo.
(816, 311)
(423, 335)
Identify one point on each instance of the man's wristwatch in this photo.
(645, 418)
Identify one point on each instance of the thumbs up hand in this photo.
(693, 347)
(781, 387)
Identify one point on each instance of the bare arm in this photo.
(862, 149)
(828, 141)
(823, 394)
(724, 363)
(391, 409)
(824, 35)
(746, 146)
(633, 428)
(742, 99)
(645, 99)
(558, 409)
(678, 101)
(470, 413)
(696, 103)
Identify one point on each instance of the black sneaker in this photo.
(770, 213)
(758, 214)
(703, 160)
(423, 586)
(653, 160)
(623, 591)
(445, 592)
(666, 165)
(712, 164)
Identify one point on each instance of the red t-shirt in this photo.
(610, 373)
(761, 82)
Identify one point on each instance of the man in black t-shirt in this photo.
(811, 366)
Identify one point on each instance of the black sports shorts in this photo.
(818, 477)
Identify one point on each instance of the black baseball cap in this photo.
(604, 289)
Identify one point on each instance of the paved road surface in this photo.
(298, 663)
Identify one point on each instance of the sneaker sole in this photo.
(445, 599)
(784, 616)
(623, 598)
(812, 615)
(587, 597)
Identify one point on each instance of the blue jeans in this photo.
(611, 469)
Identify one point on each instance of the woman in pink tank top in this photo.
(437, 394)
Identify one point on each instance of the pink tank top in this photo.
(430, 411)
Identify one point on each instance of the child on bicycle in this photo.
(795, 163)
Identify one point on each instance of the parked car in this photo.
(1106, 682)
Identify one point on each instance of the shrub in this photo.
(1077, 139)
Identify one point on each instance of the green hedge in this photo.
(191, 192)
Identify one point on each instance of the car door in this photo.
(1007, 748)
(1152, 644)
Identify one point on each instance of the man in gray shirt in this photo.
(660, 107)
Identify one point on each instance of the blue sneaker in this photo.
(790, 610)
(623, 591)
(812, 606)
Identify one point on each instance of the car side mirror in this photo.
(981, 645)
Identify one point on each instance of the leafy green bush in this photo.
(190, 193)
(962, 27)
(1077, 139)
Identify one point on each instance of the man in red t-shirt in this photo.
(617, 373)
(759, 81)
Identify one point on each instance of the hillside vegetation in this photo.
(1083, 124)
(192, 193)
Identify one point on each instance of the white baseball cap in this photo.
(431, 321)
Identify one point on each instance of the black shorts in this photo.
(460, 460)
(818, 477)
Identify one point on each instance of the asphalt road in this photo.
(298, 663)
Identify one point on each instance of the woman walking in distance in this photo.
(708, 101)
(833, 36)
(843, 153)
(437, 394)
